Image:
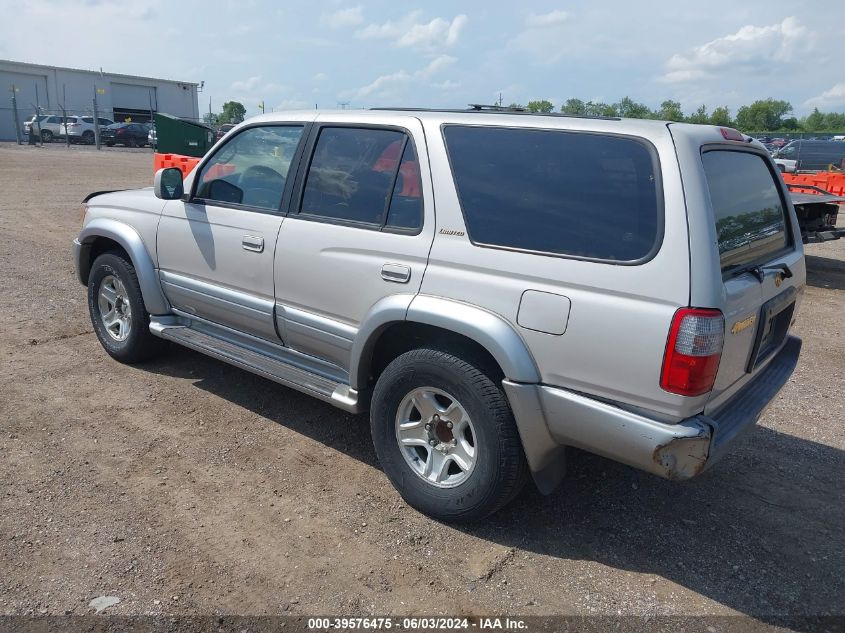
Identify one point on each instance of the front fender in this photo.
(132, 243)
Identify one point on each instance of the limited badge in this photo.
(739, 326)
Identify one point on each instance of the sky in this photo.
(292, 55)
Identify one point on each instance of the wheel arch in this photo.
(102, 234)
(488, 331)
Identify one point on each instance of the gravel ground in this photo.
(186, 486)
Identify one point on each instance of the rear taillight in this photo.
(693, 351)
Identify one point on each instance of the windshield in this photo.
(748, 209)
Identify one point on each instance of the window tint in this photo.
(575, 194)
(352, 174)
(750, 221)
(88, 119)
(251, 168)
(405, 211)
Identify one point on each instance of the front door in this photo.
(216, 250)
(359, 229)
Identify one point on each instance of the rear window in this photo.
(750, 219)
(563, 193)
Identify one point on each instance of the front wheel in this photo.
(445, 436)
(46, 136)
(117, 310)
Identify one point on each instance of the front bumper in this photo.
(550, 418)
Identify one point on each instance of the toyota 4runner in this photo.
(493, 287)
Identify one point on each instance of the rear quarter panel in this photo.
(619, 319)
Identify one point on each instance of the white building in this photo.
(119, 97)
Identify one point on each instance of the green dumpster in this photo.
(180, 136)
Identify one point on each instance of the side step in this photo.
(326, 389)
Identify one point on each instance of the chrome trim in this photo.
(253, 243)
(396, 273)
(340, 395)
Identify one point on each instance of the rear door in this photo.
(359, 230)
(760, 261)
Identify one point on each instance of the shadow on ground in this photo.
(823, 272)
(761, 533)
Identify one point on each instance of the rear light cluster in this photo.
(693, 351)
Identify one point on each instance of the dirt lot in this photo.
(188, 486)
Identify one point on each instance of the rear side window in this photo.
(565, 193)
(364, 176)
(749, 212)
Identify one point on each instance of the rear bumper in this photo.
(550, 418)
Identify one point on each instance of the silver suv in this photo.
(493, 287)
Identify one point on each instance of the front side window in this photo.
(366, 176)
(748, 210)
(251, 168)
(562, 193)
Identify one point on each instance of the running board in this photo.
(326, 389)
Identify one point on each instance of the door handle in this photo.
(396, 273)
(253, 243)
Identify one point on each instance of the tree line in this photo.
(764, 115)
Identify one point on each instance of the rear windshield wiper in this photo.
(758, 271)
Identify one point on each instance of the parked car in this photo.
(813, 155)
(223, 130)
(623, 286)
(128, 134)
(48, 127)
(785, 165)
(81, 128)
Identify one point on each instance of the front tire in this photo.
(46, 136)
(118, 314)
(445, 436)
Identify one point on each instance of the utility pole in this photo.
(210, 115)
(38, 117)
(96, 119)
(500, 99)
(64, 116)
(261, 105)
(15, 114)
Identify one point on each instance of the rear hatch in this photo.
(760, 261)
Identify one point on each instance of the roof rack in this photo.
(479, 107)
(495, 109)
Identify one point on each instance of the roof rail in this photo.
(501, 110)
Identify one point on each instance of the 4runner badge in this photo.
(739, 326)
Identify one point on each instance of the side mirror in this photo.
(168, 184)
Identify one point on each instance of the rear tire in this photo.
(445, 436)
(88, 137)
(46, 136)
(117, 310)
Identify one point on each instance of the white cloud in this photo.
(385, 83)
(833, 99)
(343, 18)
(382, 82)
(447, 85)
(750, 48)
(436, 65)
(247, 85)
(408, 33)
(551, 18)
(543, 38)
(293, 104)
(320, 77)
